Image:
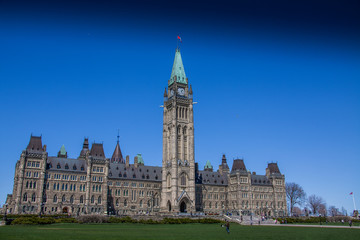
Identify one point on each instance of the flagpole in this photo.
(354, 201)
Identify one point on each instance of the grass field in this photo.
(167, 231)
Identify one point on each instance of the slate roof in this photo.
(212, 178)
(35, 144)
(117, 155)
(54, 162)
(238, 165)
(260, 180)
(97, 150)
(274, 168)
(141, 173)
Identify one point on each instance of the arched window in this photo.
(72, 199)
(44, 198)
(30, 184)
(141, 203)
(66, 166)
(74, 167)
(33, 197)
(216, 205)
(183, 179)
(96, 188)
(93, 188)
(80, 187)
(66, 187)
(63, 186)
(27, 184)
(74, 187)
(55, 198)
(81, 199)
(100, 188)
(117, 202)
(92, 199)
(168, 179)
(70, 187)
(57, 187)
(99, 199)
(63, 199)
(25, 197)
(210, 205)
(125, 203)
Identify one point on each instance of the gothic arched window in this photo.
(81, 199)
(25, 197)
(55, 198)
(33, 197)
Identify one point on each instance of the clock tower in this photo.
(178, 165)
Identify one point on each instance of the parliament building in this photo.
(95, 184)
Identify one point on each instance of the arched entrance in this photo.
(65, 210)
(169, 206)
(183, 207)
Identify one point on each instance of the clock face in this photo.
(181, 91)
(171, 92)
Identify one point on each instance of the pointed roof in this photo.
(117, 155)
(85, 148)
(140, 159)
(97, 150)
(208, 165)
(238, 165)
(178, 71)
(35, 144)
(62, 152)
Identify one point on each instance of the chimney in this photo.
(254, 173)
(127, 163)
(136, 161)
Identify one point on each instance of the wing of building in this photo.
(92, 183)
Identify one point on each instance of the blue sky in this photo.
(274, 83)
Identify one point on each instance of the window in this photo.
(141, 203)
(72, 199)
(63, 198)
(92, 199)
(183, 179)
(58, 166)
(99, 199)
(82, 168)
(25, 197)
(74, 167)
(66, 166)
(55, 198)
(125, 203)
(81, 199)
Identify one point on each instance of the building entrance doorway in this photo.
(65, 210)
(183, 207)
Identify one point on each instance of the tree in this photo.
(295, 195)
(315, 203)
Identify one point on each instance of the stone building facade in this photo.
(94, 184)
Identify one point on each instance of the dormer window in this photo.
(134, 176)
(66, 166)
(120, 175)
(74, 167)
(156, 177)
(125, 175)
(82, 168)
(58, 166)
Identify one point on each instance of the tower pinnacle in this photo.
(178, 71)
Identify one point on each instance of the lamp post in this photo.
(320, 218)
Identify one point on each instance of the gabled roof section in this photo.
(97, 150)
(117, 155)
(208, 166)
(35, 144)
(62, 152)
(273, 168)
(238, 165)
(178, 71)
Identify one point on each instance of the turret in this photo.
(62, 153)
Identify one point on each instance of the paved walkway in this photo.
(305, 225)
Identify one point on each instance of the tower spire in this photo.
(178, 71)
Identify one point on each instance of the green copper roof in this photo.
(62, 150)
(140, 159)
(178, 69)
(208, 164)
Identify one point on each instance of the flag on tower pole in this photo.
(352, 194)
(179, 38)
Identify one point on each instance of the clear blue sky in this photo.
(274, 82)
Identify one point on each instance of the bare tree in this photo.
(315, 203)
(322, 209)
(295, 195)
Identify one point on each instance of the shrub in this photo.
(66, 220)
(32, 220)
(93, 219)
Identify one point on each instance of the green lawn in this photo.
(176, 231)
